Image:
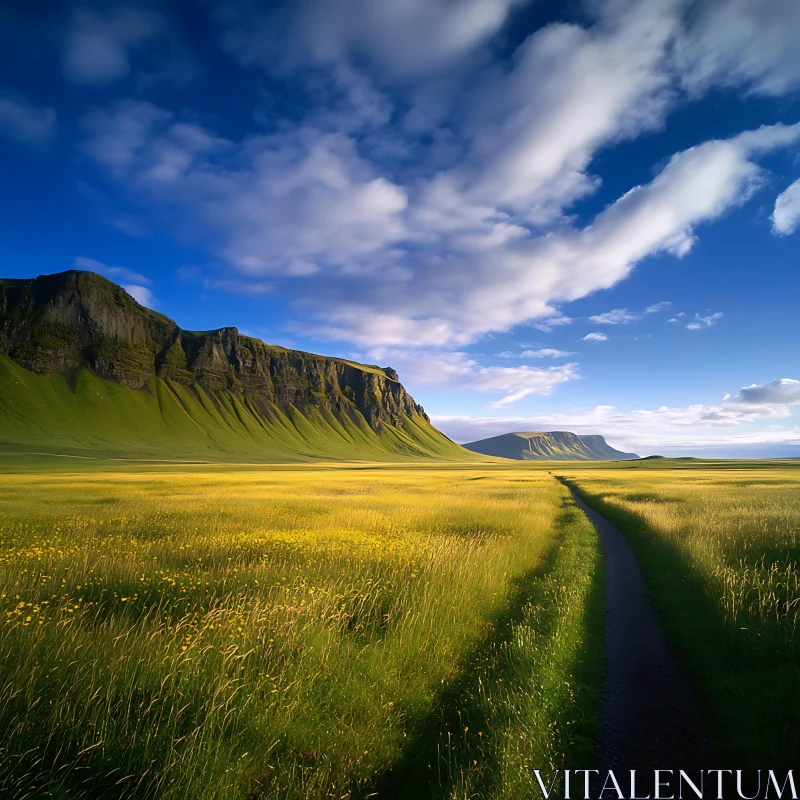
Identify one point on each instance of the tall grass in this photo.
(292, 633)
(721, 553)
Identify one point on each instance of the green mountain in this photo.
(86, 370)
(552, 446)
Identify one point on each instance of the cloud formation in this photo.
(425, 197)
(621, 316)
(738, 43)
(399, 264)
(545, 352)
(781, 393)
(694, 425)
(786, 215)
(122, 274)
(404, 40)
(26, 123)
(618, 316)
(595, 337)
(704, 322)
(98, 44)
(458, 371)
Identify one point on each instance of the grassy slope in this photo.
(719, 550)
(545, 446)
(43, 413)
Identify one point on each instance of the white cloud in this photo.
(621, 316)
(545, 352)
(702, 43)
(97, 45)
(695, 425)
(786, 215)
(425, 197)
(458, 371)
(571, 90)
(26, 123)
(114, 273)
(407, 264)
(119, 138)
(627, 431)
(740, 43)
(325, 205)
(514, 383)
(704, 322)
(246, 288)
(288, 203)
(618, 316)
(781, 392)
(547, 324)
(405, 40)
(141, 294)
(416, 244)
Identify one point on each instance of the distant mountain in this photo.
(85, 368)
(552, 446)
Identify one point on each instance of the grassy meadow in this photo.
(340, 631)
(370, 630)
(719, 544)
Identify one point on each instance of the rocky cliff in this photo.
(549, 446)
(60, 323)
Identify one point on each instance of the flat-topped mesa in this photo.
(549, 446)
(63, 322)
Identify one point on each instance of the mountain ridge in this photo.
(549, 446)
(69, 338)
(60, 322)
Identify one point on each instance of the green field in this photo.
(364, 630)
(719, 545)
(328, 631)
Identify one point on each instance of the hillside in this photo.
(552, 446)
(85, 369)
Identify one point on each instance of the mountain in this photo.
(85, 369)
(552, 446)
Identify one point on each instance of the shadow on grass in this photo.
(439, 753)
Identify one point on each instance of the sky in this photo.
(544, 215)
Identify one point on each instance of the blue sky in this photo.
(544, 215)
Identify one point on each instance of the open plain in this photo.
(353, 630)
(200, 631)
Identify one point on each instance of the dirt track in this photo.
(649, 717)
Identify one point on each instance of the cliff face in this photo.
(549, 446)
(60, 323)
